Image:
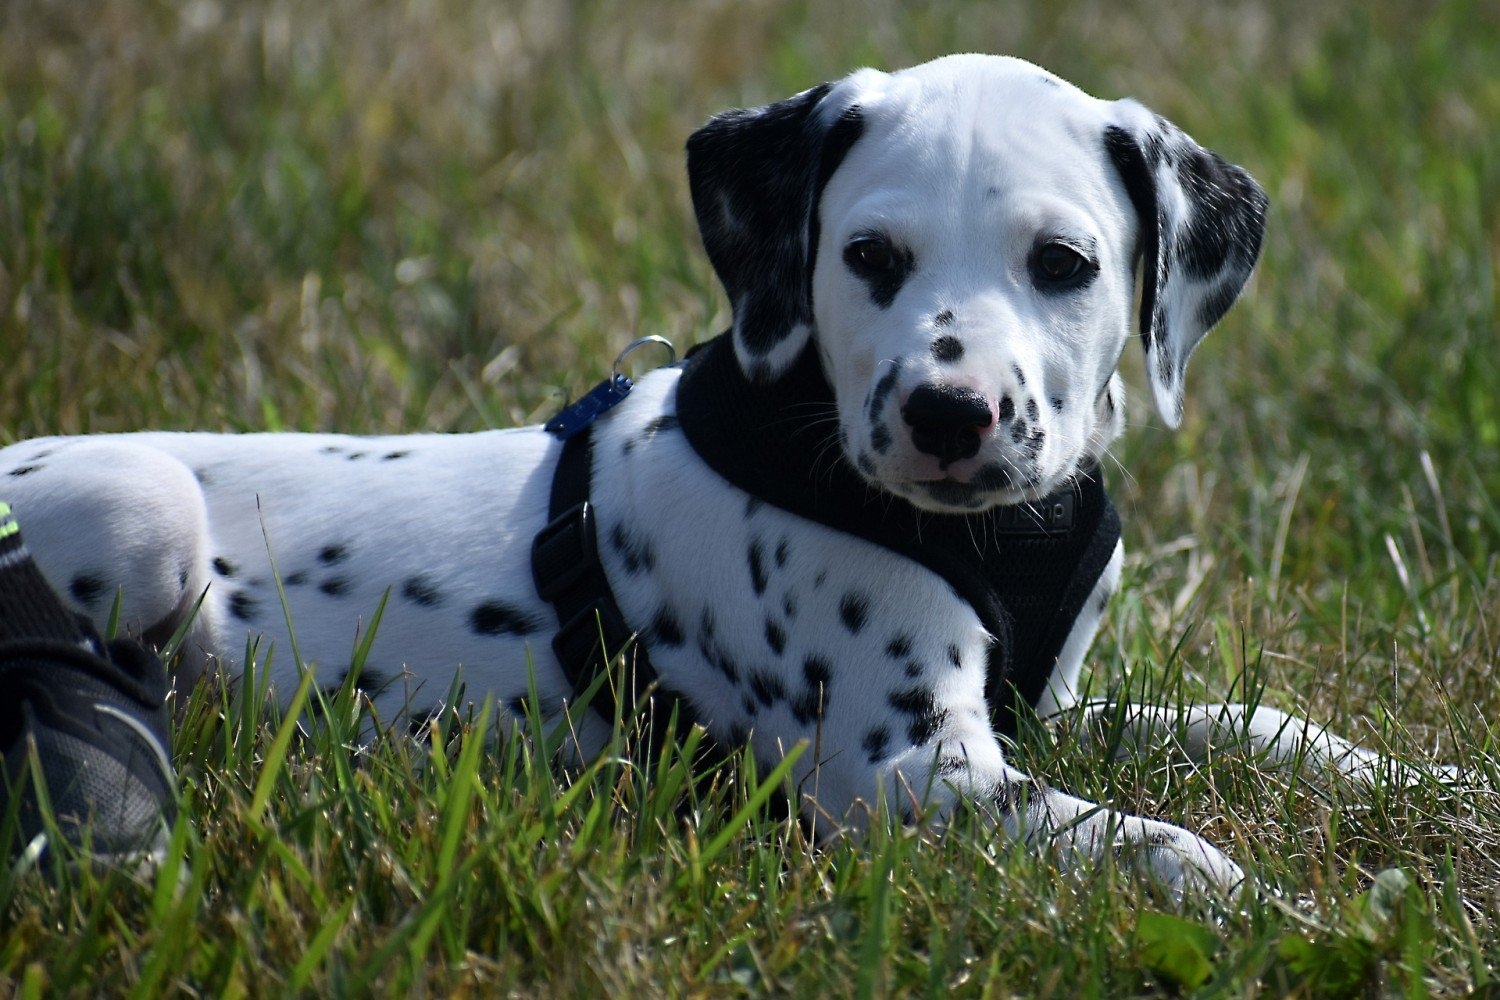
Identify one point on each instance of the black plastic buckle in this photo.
(564, 552)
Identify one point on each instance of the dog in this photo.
(933, 275)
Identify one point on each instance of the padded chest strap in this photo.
(591, 631)
(1027, 571)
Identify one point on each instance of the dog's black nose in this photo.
(946, 421)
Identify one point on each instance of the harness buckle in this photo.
(565, 552)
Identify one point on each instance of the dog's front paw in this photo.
(1180, 861)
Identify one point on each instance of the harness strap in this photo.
(569, 575)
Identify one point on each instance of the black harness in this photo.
(1027, 571)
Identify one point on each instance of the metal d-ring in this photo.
(641, 342)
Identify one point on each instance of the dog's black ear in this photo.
(756, 176)
(1201, 223)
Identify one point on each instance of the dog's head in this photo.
(960, 242)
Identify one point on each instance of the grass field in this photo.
(373, 215)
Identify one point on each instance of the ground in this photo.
(382, 216)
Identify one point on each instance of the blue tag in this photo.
(576, 416)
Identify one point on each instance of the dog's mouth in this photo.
(993, 483)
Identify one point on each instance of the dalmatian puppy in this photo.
(948, 257)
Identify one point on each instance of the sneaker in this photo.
(83, 727)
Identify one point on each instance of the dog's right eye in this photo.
(869, 255)
(1057, 266)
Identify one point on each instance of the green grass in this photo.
(380, 216)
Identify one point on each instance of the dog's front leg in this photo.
(1080, 834)
(1086, 833)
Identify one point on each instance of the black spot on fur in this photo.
(767, 687)
(817, 672)
(954, 657)
(86, 588)
(880, 440)
(335, 586)
(866, 464)
(370, 681)
(330, 449)
(499, 618)
(756, 559)
(1057, 403)
(820, 579)
(391, 456)
(750, 707)
(24, 470)
(882, 391)
(913, 669)
(296, 579)
(355, 456)
(665, 422)
(753, 504)
(243, 606)
(949, 766)
(807, 707)
(419, 721)
(1103, 604)
(899, 646)
(775, 637)
(421, 591)
(875, 743)
(783, 550)
(1007, 408)
(1033, 412)
(1020, 375)
(182, 578)
(720, 661)
(738, 735)
(912, 701)
(666, 628)
(789, 607)
(944, 318)
(332, 555)
(627, 446)
(921, 708)
(637, 554)
(948, 349)
(224, 567)
(923, 728)
(854, 611)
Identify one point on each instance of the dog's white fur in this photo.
(967, 165)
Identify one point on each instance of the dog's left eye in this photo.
(869, 255)
(1058, 265)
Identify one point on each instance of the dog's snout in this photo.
(946, 421)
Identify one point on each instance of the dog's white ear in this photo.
(1201, 223)
(756, 176)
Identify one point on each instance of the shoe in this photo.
(84, 728)
(85, 746)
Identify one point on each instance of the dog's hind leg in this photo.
(109, 520)
(1199, 733)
